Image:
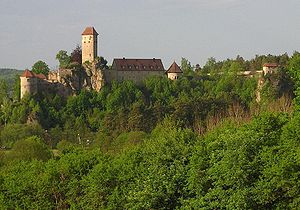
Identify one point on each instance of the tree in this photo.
(63, 58)
(3, 90)
(40, 67)
(17, 88)
(294, 71)
(30, 149)
(186, 67)
(76, 55)
(101, 63)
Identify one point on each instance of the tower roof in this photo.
(89, 31)
(27, 74)
(174, 68)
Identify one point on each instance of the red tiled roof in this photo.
(271, 65)
(174, 68)
(29, 74)
(125, 64)
(40, 76)
(89, 31)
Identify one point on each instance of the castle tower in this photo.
(28, 83)
(174, 72)
(89, 44)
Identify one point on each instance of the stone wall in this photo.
(28, 85)
(89, 48)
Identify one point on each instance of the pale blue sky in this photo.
(32, 30)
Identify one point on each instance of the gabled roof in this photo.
(174, 68)
(125, 64)
(271, 65)
(29, 74)
(89, 31)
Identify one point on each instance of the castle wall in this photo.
(28, 85)
(53, 76)
(174, 76)
(135, 76)
(269, 70)
(89, 48)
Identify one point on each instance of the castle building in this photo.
(66, 82)
(174, 72)
(134, 69)
(270, 68)
(89, 44)
(31, 82)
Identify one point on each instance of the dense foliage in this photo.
(201, 142)
(40, 67)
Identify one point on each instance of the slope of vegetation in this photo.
(201, 142)
(9, 75)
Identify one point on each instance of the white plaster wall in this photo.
(136, 76)
(173, 76)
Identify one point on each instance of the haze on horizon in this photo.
(35, 30)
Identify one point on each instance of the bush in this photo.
(29, 149)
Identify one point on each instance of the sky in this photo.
(32, 30)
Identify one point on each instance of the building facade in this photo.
(174, 72)
(270, 68)
(135, 70)
(89, 43)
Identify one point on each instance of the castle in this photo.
(66, 82)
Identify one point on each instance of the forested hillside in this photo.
(201, 142)
(9, 75)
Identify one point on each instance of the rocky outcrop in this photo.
(71, 81)
(94, 77)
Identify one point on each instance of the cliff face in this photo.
(71, 81)
(93, 78)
